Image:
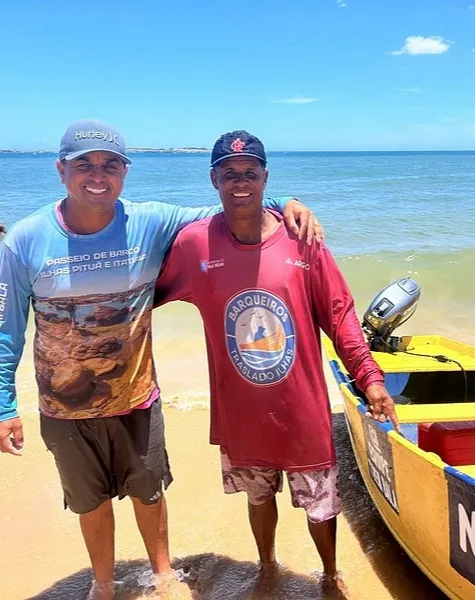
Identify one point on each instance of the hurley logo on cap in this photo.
(107, 136)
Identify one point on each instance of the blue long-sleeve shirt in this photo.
(92, 298)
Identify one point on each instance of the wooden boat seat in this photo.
(436, 413)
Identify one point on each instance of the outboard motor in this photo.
(392, 307)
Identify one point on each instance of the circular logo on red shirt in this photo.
(260, 336)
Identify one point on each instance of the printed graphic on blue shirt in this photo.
(93, 353)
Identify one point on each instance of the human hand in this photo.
(381, 405)
(308, 226)
(11, 436)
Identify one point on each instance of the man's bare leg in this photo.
(97, 529)
(263, 519)
(324, 536)
(152, 521)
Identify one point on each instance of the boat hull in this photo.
(428, 506)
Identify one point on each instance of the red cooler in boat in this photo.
(454, 442)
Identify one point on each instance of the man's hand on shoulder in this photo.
(11, 436)
(302, 222)
(381, 405)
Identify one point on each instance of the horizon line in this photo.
(194, 150)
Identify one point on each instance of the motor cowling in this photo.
(392, 307)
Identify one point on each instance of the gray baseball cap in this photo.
(92, 135)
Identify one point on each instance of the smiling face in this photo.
(94, 180)
(240, 181)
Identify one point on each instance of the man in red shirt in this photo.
(264, 296)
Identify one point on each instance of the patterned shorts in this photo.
(315, 491)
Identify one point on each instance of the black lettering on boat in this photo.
(380, 461)
(461, 490)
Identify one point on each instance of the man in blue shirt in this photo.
(88, 264)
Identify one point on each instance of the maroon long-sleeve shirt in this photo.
(263, 306)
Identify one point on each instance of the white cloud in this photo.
(341, 3)
(294, 100)
(410, 90)
(418, 44)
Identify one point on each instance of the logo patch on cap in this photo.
(107, 136)
(238, 145)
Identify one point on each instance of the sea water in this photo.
(386, 214)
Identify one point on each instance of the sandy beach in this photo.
(44, 556)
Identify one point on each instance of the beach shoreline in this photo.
(209, 533)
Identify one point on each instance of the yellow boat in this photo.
(428, 504)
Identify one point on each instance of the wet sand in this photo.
(43, 554)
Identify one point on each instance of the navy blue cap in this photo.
(237, 143)
(92, 135)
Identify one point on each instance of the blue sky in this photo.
(301, 74)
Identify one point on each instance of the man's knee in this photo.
(103, 509)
